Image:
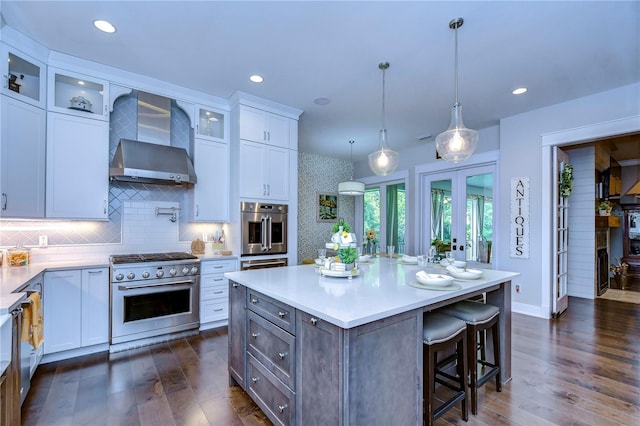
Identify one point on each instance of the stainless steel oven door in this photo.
(264, 233)
(153, 308)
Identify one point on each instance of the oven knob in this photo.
(119, 277)
(172, 272)
(194, 270)
(131, 275)
(185, 271)
(159, 273)
(145, 274)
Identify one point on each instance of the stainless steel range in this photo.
(153, 296)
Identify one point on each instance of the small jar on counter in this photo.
(18, 256)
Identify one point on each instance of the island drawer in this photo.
(274, 398)
(273, 347)
(282, 315)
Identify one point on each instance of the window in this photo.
(384, 212)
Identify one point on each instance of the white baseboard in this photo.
(531, 310)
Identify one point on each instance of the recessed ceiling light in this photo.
(104, 26)
(322, 101)
(81, 83)
(256, 78)
(519, 90)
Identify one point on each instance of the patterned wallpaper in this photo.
(123, 124)
(319, 174)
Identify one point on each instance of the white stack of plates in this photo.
(464, 274)
(434, 280)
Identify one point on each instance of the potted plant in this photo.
(604, 208)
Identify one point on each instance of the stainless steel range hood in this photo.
(143, 162)
(152, 159)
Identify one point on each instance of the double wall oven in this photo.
(263, 232)
(153, 295)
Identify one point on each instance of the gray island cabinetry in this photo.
(312, 350)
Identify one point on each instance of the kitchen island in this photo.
(311, 349)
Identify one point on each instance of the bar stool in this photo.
(479, 317)
(440, 332)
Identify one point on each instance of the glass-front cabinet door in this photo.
(211, 124)
(78, 94)
(458, 213)
(23, 76)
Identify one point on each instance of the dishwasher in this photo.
(29, 357)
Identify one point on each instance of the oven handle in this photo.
(247, 266)
(263, 233)
(269, 227)
(126, 287)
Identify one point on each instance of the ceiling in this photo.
(307, 50)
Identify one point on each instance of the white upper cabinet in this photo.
(22, 159)
(210, 196)
(78, 94)
(23, 77)
(264, 171)
(77, 167)
(211, 124)
(264, 127)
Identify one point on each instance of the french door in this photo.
(457, 212)
(561, 239)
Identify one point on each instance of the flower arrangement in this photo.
(371, 236)
(566, 180)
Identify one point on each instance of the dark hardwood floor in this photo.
(582, 369)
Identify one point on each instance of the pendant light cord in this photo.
(454, 25)
(455, 64)
(383, 66)
(383, 97)
(351, 157)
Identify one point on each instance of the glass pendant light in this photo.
(384, 161)
(351, 187)
(457, 143)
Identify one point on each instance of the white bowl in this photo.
(434, 280)
(319, 262)
(409, 259)
(364, 258)
(469, 274)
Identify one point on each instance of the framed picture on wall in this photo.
(327, 207)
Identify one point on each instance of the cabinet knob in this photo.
(254, 301)
(234, 285)
(282, 314)
(255, 335)
(314, 321)
(282, 407)
(254, 379)
(4, 201)
(281, 355)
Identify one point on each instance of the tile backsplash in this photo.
(132, 225)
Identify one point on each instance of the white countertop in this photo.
(381, 290)
(12, 278)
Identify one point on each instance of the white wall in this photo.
(581, 271)
(521, 155)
